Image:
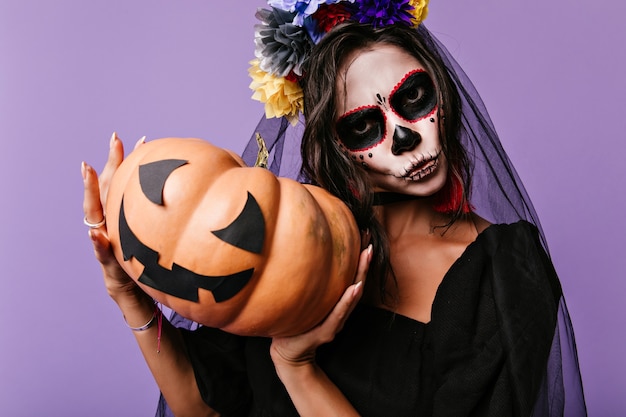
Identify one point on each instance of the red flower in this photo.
(293, 77)
(330, 15)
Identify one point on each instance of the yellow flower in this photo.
(281, 96)
(420, 11)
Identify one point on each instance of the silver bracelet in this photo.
(144, 327)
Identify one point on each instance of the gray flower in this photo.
(281, 46)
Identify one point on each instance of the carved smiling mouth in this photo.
(422, 168)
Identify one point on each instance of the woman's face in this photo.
(387, 120)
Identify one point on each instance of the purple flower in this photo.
(381, 13)
(287, 5)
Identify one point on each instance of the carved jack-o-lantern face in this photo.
(246, 232)
(227, 245)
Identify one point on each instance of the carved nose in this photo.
(404, 139)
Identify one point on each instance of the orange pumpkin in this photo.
(226, 245)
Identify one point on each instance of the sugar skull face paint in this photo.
(387, 120)
(412, 99)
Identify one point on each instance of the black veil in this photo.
(497, 195)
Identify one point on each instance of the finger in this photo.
(101, 246)
(140, 142)
(364, 263)
(350, 298)
(91, 198)
(336, 319)
(116, 156)
(104, 254)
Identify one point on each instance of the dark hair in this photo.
(325, 162)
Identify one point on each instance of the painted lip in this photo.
(422, 168)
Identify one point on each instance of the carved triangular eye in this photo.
(247, 231)
(152, 177)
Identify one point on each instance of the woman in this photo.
(458, 316)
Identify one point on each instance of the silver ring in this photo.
(95, 225)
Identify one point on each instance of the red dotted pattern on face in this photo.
(395, 89)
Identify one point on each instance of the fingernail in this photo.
(141, 141)
(356, 288)
(83, 170)
(112, 141)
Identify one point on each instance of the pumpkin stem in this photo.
(263, 154)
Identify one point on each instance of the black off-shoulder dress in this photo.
(483, 353)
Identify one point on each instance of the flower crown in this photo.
(289, 30)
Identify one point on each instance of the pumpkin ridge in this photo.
(195, 199)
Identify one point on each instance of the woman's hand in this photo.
(310, 389)
(161, 345)
(294, 351)
(116, 280)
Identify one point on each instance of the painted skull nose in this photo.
(404, 139)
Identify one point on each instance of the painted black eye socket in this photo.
(361, 129)
(415, 97)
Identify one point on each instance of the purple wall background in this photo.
(72, 72)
